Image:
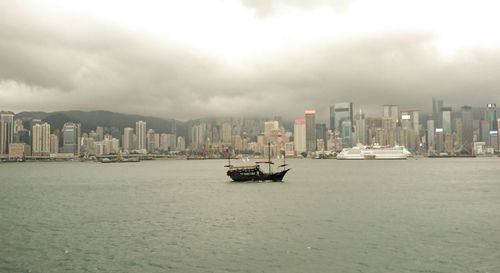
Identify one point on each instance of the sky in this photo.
(191, 59)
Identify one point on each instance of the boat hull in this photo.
(239, 176)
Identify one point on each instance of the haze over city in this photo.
(191, 59)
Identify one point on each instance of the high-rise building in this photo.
(310, 130)
(361, 131)
(151, 141)
(467, 128)
(321, 133)
(181, 144)
(6, 131)
(446, 119)
(271, 125)
(436, 112)
(341, 112)
(346, 134)
(140, 131)
(430, 135)
(410, 120)
(392, 112)
(198, 136)
(100, 133)
(54, 144)
(70, 138)
(41, 140)
(128, 139)
(491, 116)
(299, 136)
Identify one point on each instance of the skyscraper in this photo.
(341, 112)
(430, 135)
(321, 133)
(299, 136)
(100, 133)
(491, 116)
(392, 112)
(6, 131)
(436, 112)
(41, 140)
(467, 128)
(70, 138)
(446, 119)
(140, 131)
(310, 130)
(128, 139)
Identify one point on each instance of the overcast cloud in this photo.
(215, 58)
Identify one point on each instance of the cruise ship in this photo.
(375, 152)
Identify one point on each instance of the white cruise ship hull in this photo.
(373, 154)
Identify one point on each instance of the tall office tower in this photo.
(128, 139)
(491, 116)
(346, 134)
(198, 136)
(436, 112)
(430, 135)
(391, 111)
(321, 133)
(100, 133)
(299, 136)
(410, 121)
(467, 128)
(341, 112)
(484, 130)
(18, 125)
(446, 119)
(140, 131)
(6, 131)
(310, 130)
(41, 140)
(151, 141)
(360, 125)
(332, 118)
(181, 144)
(458, 133)
(226, 132)
(54, 144)
(70, 138)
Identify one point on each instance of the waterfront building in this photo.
(128, 139)
(140, 131)
(18, 150)
(299, 136)
(467, 128)
(41, 140)
(167, 142)
(491, 116)
(271, 125)
(310, 130)
(23, 136)
(70, 133)
(6, 131)
(484, 130)
(54, 144)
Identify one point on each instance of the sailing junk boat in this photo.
(255, 173)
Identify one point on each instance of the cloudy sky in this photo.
(189, 59)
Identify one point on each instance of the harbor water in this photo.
(416, 215)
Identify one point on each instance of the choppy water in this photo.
(424, 215)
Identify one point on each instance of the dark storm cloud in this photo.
(72, 64)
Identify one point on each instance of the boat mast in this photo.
(269, 155)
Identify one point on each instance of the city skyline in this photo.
(246, 57)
